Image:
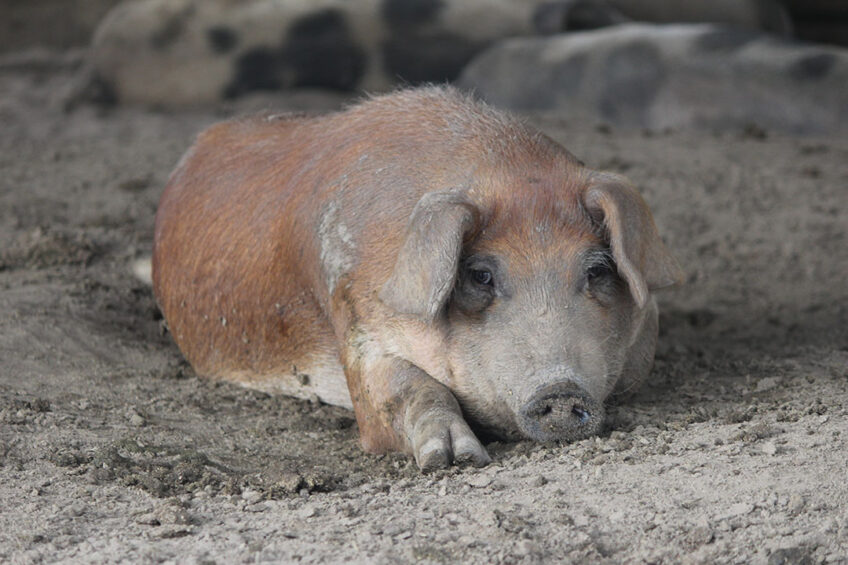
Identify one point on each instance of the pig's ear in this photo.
(428, 261)
(642, 258)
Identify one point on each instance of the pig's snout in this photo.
(561, 411)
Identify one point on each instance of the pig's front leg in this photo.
(399, 406)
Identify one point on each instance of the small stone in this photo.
(526, 547)
(580, 520)
(136, 419)
(767, 383)
(738, 509)
(147, 519)
(700, 535)
(478, 480)
(538, 481)
(251, 496)
(769, 448)
(289, 483)
(76, 509)
(172, 531)
(452, 518)
(796, 503)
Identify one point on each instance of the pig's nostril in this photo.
(581, 413)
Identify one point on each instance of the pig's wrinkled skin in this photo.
(420, 257)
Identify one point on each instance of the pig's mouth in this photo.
(561, 411)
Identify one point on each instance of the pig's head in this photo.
(541, 295)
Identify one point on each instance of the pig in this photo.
(422, 258)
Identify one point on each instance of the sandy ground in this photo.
(111, 449)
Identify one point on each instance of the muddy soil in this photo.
(112, 450)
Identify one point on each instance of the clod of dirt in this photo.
(160, 470)
(42, 247)
(798, 555)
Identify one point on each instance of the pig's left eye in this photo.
(598, 271)
(482, 277)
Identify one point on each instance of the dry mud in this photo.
(112, 450)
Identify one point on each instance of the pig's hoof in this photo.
(444, 438)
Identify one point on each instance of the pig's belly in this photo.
(318, 376)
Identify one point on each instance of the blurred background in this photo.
(643, 63)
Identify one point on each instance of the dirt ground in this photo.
(112, 450)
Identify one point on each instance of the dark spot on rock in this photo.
(432, 58)
(255, 70)
(634, 74)
(221, 39)
(812, 67)
(320, 51)
(724, 40)
(410, 12)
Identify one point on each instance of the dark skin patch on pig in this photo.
(432, 58)
(321, 51)
(559, 15)
(221, 39)
(410, 12)
(255, 70)
(812, 67)
(318, 50)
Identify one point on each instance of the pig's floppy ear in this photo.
(642, 258)
(428, 261)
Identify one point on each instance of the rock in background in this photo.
(658, 77)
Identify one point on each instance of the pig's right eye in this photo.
(482, 277)
(475, 288)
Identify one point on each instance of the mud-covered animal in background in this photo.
(420, 257)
